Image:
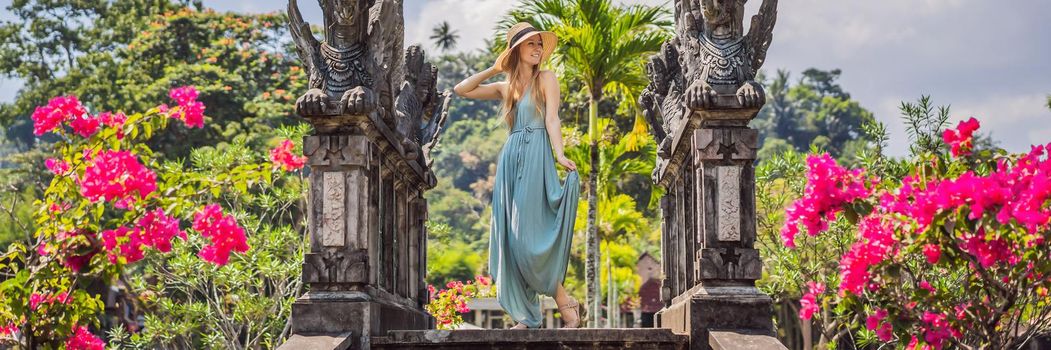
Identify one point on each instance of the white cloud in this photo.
(473, 21)
(1015, 121)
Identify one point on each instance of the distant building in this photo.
(649, 270)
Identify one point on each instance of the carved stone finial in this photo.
(337, 66)
(721, 61)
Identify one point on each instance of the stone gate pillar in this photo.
(365, 267)
(376, 115)
(700, 100)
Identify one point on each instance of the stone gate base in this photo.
(347, 320)
(722, 318)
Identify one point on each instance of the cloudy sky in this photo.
(987, 59)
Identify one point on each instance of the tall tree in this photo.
(444, 37)
(602, 45)
(815, 111)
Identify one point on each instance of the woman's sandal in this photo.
(572, 305)
(520, 325)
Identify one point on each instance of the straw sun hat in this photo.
(518, 34)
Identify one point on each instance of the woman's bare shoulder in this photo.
(548, 78)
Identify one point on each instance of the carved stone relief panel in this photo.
(333, 223)
(729, 199)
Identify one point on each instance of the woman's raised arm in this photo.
(472, 87)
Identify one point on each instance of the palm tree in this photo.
(444, 37)
(603, 46)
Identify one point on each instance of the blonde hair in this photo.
(515, 91)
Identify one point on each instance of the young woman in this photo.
(533, 212)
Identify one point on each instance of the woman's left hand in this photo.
(567, 163)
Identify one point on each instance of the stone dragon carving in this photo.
(709, 64)
(361, 69)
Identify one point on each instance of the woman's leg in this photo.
(561, 297)
(570, 315)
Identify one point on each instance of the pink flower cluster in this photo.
(223, 231)
(282, 157)
(116, 175)
(937, 330)
(69, 109)
(933, 253)
(57, 111)
(190, 111)
(82, 339)
(878, 322)
(9, 329)
(875, 244)
(447, 305)
(961, 140)
(115, 121)
(71, 252)
(36, 299)
(829, 186)
(57, 166)
(156, 229)
(809, 304)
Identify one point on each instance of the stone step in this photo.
(533, 339)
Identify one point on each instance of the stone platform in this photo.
(537, 339)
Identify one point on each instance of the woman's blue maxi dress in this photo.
(533, 215)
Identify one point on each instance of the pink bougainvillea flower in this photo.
(9, 329)
(157, 230)
(223, 231)
(82, 339)
(876, 243)
(34, 300)
(117, 176)
(483, 280)
(123, 243)
(809, 304)
(190, 111)
(282, 157)
(113, 120)
(75, 254)
(57, 111)
(57, 166)
(927, 286)
(37, 299)
(84, 125)
(828, 187)
(937, 329)
(183, 95)
(961, 139)
(875, 322)
(933, 253)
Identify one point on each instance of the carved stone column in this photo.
(377, 115)
(714, 216)
(700, 100)
(364, 270)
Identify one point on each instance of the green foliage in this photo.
(814, 112)
(16, 213)
(452, 257)
(236, 61)
(172, 290)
